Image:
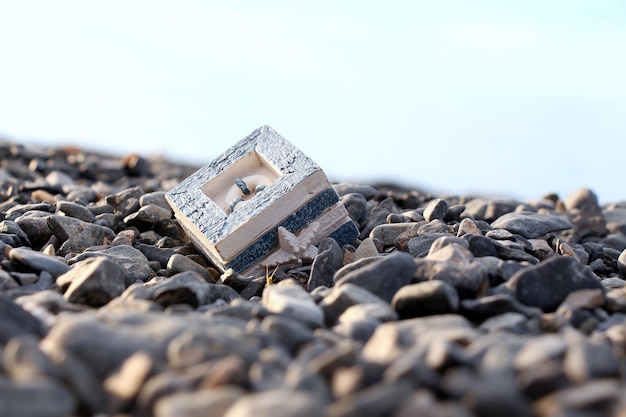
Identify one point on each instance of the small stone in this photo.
(425, 298)
(383, 277)
(388, 233)
(23, 359)
(179, 263)
(468, 227)
(17, 321)
(366, 249)
(148, 216)
(328, 261)
(355, 205)
(38, 261)
(156, 197)
(35, 226)
(621, 263)
(74, 210)
(93, 282)
(593, 398)
(372, 311)
(77, 235)
(134, 263)
(213, 402)
(531, 225)
(276, 403)
(288, 297)
(376, 400)
(124, 385)
(547, 284)
(453, 264)
(36, 398)
(493, 305)
(481, 246)
(292, 333)
(366, 191)
(539, 350)
(585, 213)
(342, 297)
(420, 246)
(435, 209)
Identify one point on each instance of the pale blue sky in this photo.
(510, 98)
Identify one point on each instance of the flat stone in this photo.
(371, 311)
(75, 210)
(342, 297)
(539, 350)
(213, 402)
(593, 398)
(425, 299)
(134, 264)
(17, 321)
(23, 359)
(77, 235)
(35, 226)
(276, 403)
(355, 205)
(123, 386)
(420, 246)
(291, 299)
(190, 288)
(38, 261)
(383, 277)
(36, 398)
(436, 209)
(585, 213)
(376, 400)
(531, 225)
(493, 305)
(94, 281)
(547, 284)
(453, 264)
(468, 226)
(178, 263)
(148, 215)
(291, 333)
(328, 261)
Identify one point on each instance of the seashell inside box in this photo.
(260, 204)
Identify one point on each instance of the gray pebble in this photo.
(75, 210)
(38, 261)
(547, 284)
(288, 297)
(531, 225)
(384, 277)
(425, 298)
(94, 281)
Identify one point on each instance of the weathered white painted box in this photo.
(262, 203)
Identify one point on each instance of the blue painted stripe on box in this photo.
(298, 220)
(345, 233)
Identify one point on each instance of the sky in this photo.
(512, 99)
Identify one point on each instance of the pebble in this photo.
(548, 283)
(77, 235)
(531, 225)
(328, 261)
(445, 305)
(93, 281)
(383, 277)
(38, 261)
(289, 298)
(425, 299)
(134, 264)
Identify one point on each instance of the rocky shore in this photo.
(444, 306)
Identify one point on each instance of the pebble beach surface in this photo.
(444, 305)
